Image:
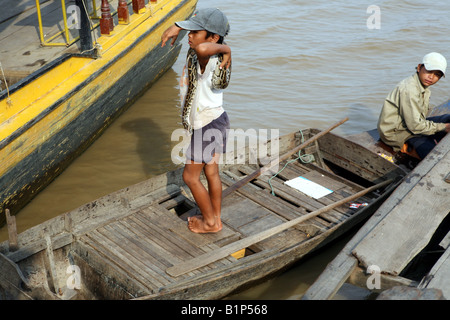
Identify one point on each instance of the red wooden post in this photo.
(106, 21)
(122, 12)
(138, 6)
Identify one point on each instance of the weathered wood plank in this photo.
(324, 181)
(295, 197)
(12, 231)
(171, 222)
(106, 209)
(238, 214)
(97, 263)
(439, 275)
(256, 225)
(151, 236)
(51, 265)
(58, 241)
(354, 158)
(333, 181)
(140, 256)
(275, 162)
(410, 225)
(12, 279)
(361, 278)
(282, 208)
(170, 240)
(445, 242)
(121, 258)
(149, 255)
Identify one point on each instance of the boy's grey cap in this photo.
(435, 61)
(210, 19)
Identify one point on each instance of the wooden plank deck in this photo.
(143, 245)
(21, 51)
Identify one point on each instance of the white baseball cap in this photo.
(435, 61)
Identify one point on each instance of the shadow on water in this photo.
(151, 144)
(153, 118)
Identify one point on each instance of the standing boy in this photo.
(403, 118)
(203, 113)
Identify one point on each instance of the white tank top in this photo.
(207, 103)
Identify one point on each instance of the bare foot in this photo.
(198, 225)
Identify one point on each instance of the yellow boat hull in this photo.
(58, 111)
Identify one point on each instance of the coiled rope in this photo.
(305, 158)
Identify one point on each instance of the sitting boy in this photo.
(403, 118)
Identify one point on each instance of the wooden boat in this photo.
(58, 99)
(406, 242)
(135, 244)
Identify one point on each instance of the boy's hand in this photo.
(207, 49)
(170, 33)
(447, 127)
(226, 62)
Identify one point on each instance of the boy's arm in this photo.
(410, 110)
(207, 49)
(170, 33)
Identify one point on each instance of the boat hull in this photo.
(124, 243)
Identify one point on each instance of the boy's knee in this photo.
(189, 178)
(186, 177)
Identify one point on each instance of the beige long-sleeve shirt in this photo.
(404, 113)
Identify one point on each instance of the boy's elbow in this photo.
(209, 49)
(204, 50)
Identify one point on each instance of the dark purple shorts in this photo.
(210, 139)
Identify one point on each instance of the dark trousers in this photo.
(424, 144)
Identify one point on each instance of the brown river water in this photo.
(296, 64)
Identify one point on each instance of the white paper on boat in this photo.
(308, 187)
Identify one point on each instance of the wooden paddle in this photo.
(275, 162)
(227, 250)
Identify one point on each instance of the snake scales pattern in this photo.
(220, 80)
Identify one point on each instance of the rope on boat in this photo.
(305, 158)
(97, 47)
(8, 100)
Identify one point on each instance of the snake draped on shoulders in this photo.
(220, 80)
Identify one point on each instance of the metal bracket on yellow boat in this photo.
(75, 22)
(65, 31)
